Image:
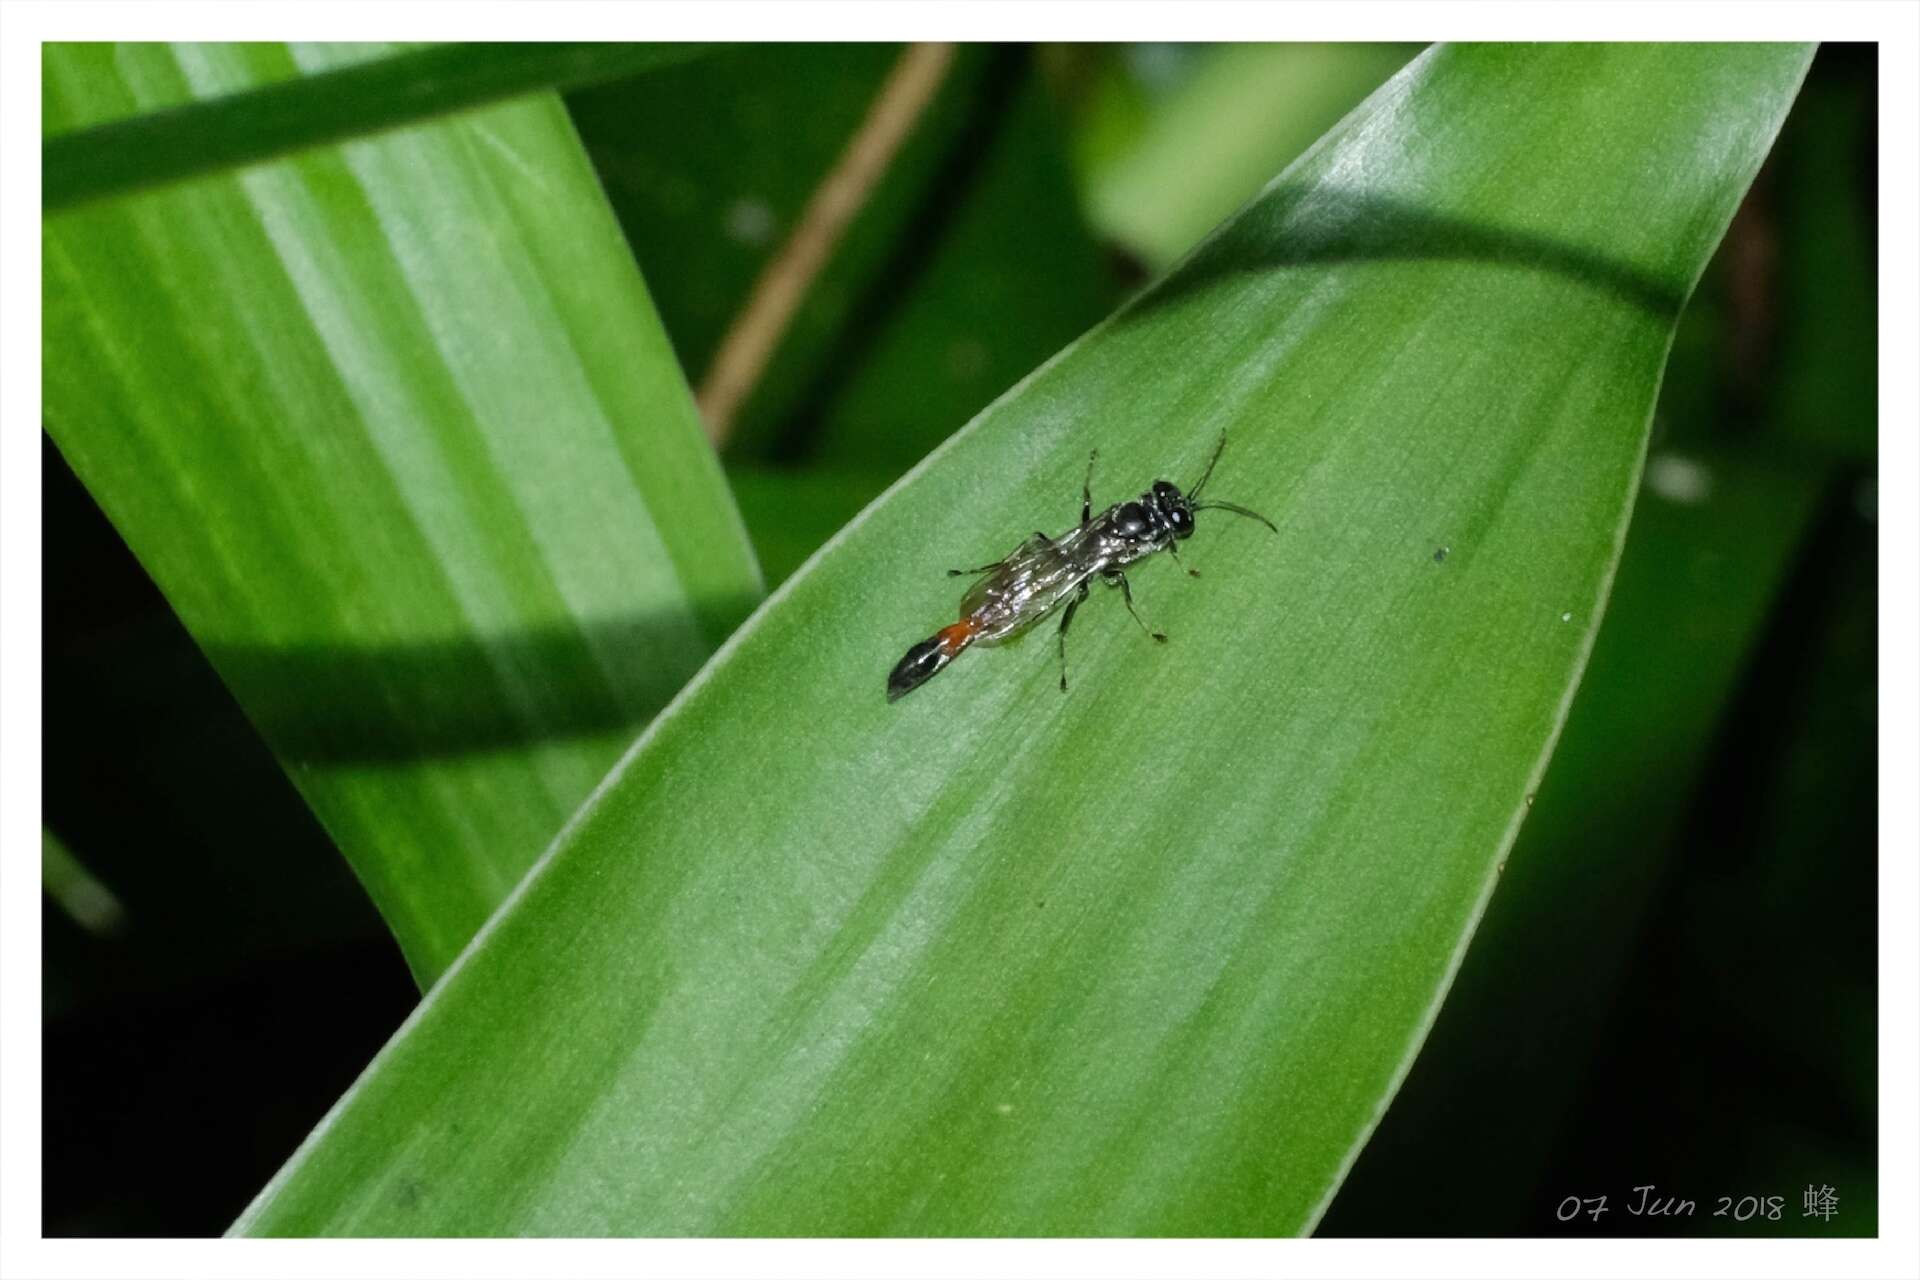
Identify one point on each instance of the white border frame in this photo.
(23, 25)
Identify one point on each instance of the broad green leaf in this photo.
(396, 430)
(275, 115)
(1150, 956)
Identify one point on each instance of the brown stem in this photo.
(755, 333)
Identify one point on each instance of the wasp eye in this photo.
(1182, 521)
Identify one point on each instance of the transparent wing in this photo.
(1029, 584)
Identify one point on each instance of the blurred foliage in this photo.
(1674, 984)
(997, 274)
(969, 265)
(1173, 138)
(709, 165)
(1823, 379)
(792, 511)
(1000, 273)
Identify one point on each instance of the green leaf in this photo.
(397, 432)
(276, 116)
(1152, 956)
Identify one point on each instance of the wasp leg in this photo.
(1191, 573)
(1065, 620)
(1086, 491)
(1038, 538)
(1118, 579)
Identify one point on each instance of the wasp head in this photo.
(1179, 508)
(1174, 507)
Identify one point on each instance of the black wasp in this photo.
(1043, 573)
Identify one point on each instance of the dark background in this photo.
(1675, 984)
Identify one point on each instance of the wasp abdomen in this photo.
(924, 660)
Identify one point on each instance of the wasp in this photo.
(1042, 573)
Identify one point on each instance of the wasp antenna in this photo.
(1237, 509)
(1218, 449)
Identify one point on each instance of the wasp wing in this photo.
(1029, 584)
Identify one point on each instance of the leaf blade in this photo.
(397, 432)
(1152, 958)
